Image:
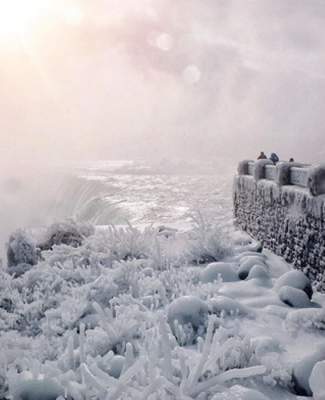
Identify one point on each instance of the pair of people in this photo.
(273, 157)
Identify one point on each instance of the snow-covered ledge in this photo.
(283, 206)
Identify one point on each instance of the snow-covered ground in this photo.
(174, 305)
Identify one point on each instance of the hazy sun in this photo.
(18, 17)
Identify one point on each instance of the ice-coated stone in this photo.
(295, 279)
(219, 270)
(294, 297)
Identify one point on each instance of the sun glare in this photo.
(18, 17)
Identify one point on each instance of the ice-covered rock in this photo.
(317, 381)
(21, 250)
(302, 371)
(238, 392)
(295, 279)
(225, 306)
(259, 169)
(37, 390)
(219, 270)
(294, 297)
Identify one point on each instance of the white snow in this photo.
(219, 270)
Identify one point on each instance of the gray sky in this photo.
(188, 78)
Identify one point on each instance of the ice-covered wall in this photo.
(285, 210)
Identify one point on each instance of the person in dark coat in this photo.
(274, 158)
(262, 156)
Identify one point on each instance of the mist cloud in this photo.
(187, 78)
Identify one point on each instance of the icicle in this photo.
(167, 358)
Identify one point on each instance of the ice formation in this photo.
(129, 314)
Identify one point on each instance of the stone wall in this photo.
(288, 219)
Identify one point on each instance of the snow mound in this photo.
(302, 371)
(37, 390)
(218, 270)
(295, 279)
(282, 172)
(238, 392)
(317, 381)
(225, 306)
(294, 297)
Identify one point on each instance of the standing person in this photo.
(274, 158)
(262, 156)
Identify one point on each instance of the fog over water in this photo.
(190, 79)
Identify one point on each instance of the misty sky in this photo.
(150, 78)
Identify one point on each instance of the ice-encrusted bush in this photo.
(68, 233)
(187, 317)
(207, 243)
(21, 249)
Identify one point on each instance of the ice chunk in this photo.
(295, 279)
(317, 381)
(219, 270)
